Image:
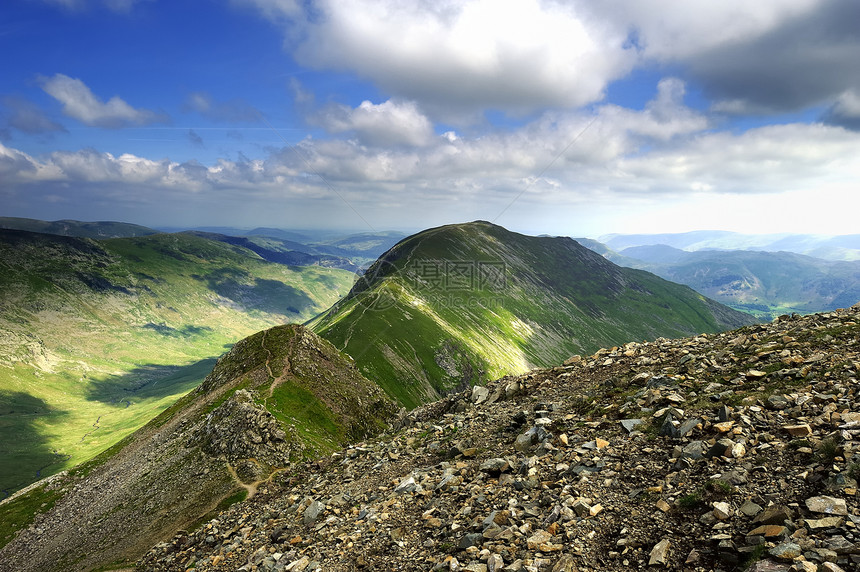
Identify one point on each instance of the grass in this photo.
(827, 450)
(19, 513)
(556, 300)
(691, 501)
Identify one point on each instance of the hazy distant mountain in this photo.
(283, 251)
(461, 304)
(845, 247)
(766, 284)
(101, 229)
(335, 249)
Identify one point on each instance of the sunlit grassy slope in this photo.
(464, 303)
(98, 337)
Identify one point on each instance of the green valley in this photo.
(98, 337)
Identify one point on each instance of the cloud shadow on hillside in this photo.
(264, 295)
(148, 382)
(26, 453)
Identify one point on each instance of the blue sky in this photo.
(576, 118)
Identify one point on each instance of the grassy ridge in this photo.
(465, 303)
(99, 337)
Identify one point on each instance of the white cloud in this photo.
(848, 105)
(453, 56)
(80, 103)
(458, 58)
(617, 159)
(387, 123)
(682, 29)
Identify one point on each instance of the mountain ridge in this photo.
(485, 302)
(731, 451)
(275, 398)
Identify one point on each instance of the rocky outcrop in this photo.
(241, 429)
(725, 451)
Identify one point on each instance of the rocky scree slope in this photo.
(459, 305)
(730, 451)
(277, 397)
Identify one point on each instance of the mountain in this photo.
(283, 251)
(277, 398)
(721, 452)
(461, 304)
(98, 337)
(101, 229)
(765, 284)
(844, 247)
(329, 248)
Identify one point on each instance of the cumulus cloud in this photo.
(846, 111)
(387, 123)
(800, 54)
(664, 146)
(80, 103)
(609, 155)
(459, 58)
(453, 56)
(232, 111)
(26, 117)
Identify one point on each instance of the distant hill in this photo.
(329, 248)
(97, 337)
(102, 229)
(844, 247)
(460, 304)
(283, 251)
(766, 284)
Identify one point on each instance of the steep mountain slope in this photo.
(462, 304)
(98, 337)
(81, 229)
(279, 396)
(766, 284)
(726, 452)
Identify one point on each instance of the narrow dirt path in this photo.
(252, 487)
(286, 371)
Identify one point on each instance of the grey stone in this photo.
(471, 539)
(312, 513)
(659, 553)
(827, 505)
(479, 394)
(495, 466)
(668, 429)
(693, 450)
(630, 425)
(688, 426)
(787, 551)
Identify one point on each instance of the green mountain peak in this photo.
(460, 304)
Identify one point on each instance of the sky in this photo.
(563, 117)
